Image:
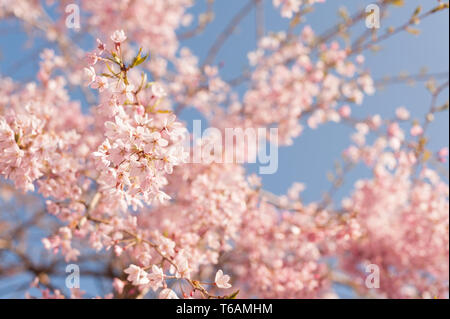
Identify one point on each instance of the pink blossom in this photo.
(100, 83)
(118, 36)
(167, 293)
(136, 275)
(112, 174)
(295, 190)
(288, 7)
(416, 130)
(345, 111)
(442, 154)
(100, 47)
(158, 91)
(156, 277)
(402, 113)
(90, 75)
(222, 280)
(118, 285)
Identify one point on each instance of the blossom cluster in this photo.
(290, 7)
(117, 180)
(287, 86)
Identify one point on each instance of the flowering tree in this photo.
(113, 185)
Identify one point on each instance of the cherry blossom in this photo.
(156, 277)
(222, 280)
(167, 294)
(136, 275)
(108, 178)
(118, 36)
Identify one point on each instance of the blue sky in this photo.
(315, 151)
